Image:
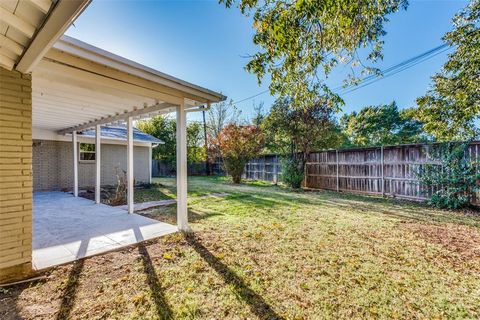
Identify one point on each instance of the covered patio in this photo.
(53, 87)
(78, 87)
(67, 228)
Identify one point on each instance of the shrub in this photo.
(453, 176)
(237, 145)
(292, 171)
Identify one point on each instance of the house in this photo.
(52, 158)
(53, 85)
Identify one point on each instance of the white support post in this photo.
(98, 166)
(130, 165)
(182, 213)
(150, 163)
(75, 163)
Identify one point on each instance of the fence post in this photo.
(275, 169)
(338, 178)
(382, 163)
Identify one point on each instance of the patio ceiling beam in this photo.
(17, 23)
(146, 110)
(11, 45)
(59, 18)
(43, 5)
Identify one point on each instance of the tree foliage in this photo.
(451, 108)
(238, 144)
(165, 128)
(381, 125)
(454, 176)
(302, 39)
(290, 131)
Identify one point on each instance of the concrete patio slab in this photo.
(66, 228)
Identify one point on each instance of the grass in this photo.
(267, 252)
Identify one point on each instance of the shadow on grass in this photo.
(169, 214)
(153, 193)
(256, 303)
(161, 305)
(70, 292)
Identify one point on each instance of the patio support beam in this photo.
(157, 108)
(75, 163)
(130, 164)
(98, 165)
(182, 213)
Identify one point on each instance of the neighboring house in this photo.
(62, 85)
(52, 158)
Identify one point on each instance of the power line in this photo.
(388, 72)
(393, 70)
(251, 97)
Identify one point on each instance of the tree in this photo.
(165, 128)
(195, 145)
(219, 115)
(238, 144)
(290, 131)
(301, 39)
(258, 115)
(452, 106)
(381, 125)
(453, 176)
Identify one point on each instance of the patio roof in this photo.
(77, 86)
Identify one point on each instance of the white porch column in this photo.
(130, 164)
(98, 167)
(182, 215)
(75, 163)
(150, 163)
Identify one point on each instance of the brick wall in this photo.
(15, 174)
(53, 167)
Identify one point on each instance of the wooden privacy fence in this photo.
(389, 171)
(162, 168)
(265, 168)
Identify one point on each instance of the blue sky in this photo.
(206, 44)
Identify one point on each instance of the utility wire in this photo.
(393, 70)
(388, 72)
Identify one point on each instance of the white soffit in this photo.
(19, 20)
(28, 28)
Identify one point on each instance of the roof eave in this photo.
(87, 51)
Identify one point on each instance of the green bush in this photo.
(453, 176)
(292, 171)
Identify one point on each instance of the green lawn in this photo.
(266, 252)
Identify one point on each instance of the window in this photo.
(87, 152)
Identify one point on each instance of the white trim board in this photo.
(42, 134)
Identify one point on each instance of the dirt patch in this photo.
(462, 241)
